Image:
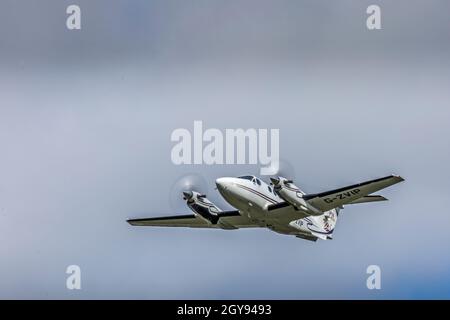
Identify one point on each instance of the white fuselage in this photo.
(244, 194)
(252, 197)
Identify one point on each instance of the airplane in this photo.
(279, 206)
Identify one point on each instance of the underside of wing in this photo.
(328, 200)
(283, 213)
(225, 220)
(188, 220)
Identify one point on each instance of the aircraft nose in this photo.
(223, 183)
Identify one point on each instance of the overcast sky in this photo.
(85, 124)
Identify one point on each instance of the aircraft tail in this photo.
(326, 224)
(321, 227)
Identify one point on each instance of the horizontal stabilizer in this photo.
(307, 237)
(366, 199)
(320, 236)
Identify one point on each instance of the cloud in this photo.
(85, 125)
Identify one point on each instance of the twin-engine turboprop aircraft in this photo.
(280, 206)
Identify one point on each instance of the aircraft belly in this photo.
(286, 215)
(246, 202)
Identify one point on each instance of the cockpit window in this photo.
(246, 177)
(258, 181)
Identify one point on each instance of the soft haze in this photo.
(85, 124)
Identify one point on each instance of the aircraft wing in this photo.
(226, 220)
(328, 200)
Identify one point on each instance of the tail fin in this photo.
(319, 226)
(325, 224)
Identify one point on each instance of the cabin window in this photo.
(246, 177)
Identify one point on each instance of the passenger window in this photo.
(246, 178)
(270, 189)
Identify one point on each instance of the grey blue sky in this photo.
(85, 124)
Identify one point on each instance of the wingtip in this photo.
(398, 177)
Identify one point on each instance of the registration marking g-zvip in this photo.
(343, 195)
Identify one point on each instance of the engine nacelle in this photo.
(290, 193)
(201, 206)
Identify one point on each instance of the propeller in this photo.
(285, 169)
(187, 195)
(184, 186)
(274, 181)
